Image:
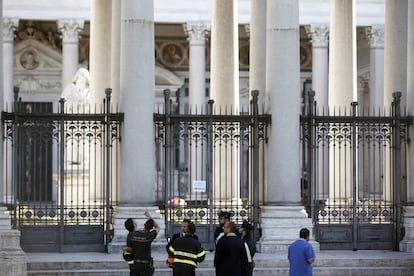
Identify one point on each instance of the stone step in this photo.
(328, 263)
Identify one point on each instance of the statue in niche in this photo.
(172, 54)
(29, 60)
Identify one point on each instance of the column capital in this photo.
(319, 34)
(9, 27)
(70, 29)
(197, 31)
(375, 36)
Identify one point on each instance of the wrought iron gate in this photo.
(61, 174)
(208, 163)
(355, 176)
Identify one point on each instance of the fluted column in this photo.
(257, 59)
(9, 27)
(100, 49)
(70, 29)
(197, 32)
(342, 54)
(319, 34)
(375, 36)
(224, 54)
(395, 56)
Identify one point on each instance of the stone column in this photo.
(197, 32)
(281, 216)
(9, 27)
(100, 50)
(375, 36)
(319, 33)
(342, 54)
(224, 68)
(407, 244)
(70, 29)
(224, 74)
(395, 55)
(115, 50)
(257, 59)
(342, 88)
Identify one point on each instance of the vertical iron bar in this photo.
(211, 203)
(310, 164)
(15, 186)
(108, 92)
(397, 169)
(354, 178)
(255, 155)
(62, 177)
(167, 157)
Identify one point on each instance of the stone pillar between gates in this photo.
(407, 243)
(224, 73)
(282, 216)
(12, 257)
(137, 165)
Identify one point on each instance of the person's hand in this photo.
(147, 214)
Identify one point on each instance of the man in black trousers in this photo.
(230, 252)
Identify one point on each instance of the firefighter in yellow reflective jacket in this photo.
(187, 252)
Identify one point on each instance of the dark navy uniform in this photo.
(230, 252)
(187, 252)
(140, 241)
(247, 268)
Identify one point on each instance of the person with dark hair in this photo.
(301, 255)
(187, 252)
(223, 217)
(230, 251)
(128, 252)
(250, 247)
(140, 241)
(184, 232)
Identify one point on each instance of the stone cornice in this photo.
(9, 28)
(319, 34)
(70, 29)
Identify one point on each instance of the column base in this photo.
(5, 223)
(137, 214)
(281, 226)
(407, 244)
(12, 257)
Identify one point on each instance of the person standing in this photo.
(250, 247)
(222, 218)
(140, 241)
(187, 252)
(230, 252)
(127, 252)
(301, 255)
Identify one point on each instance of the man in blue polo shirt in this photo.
(301, 255)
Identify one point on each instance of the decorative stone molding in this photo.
(197, 31)
(375, 35)
(70, 29)
(247, 29)
(9, 28)
(319, 34)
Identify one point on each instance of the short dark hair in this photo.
(191, 228)
(224, 214)
(186, 220)
(129, 225)
(149, 224)
(304, 233)
(247, 227)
